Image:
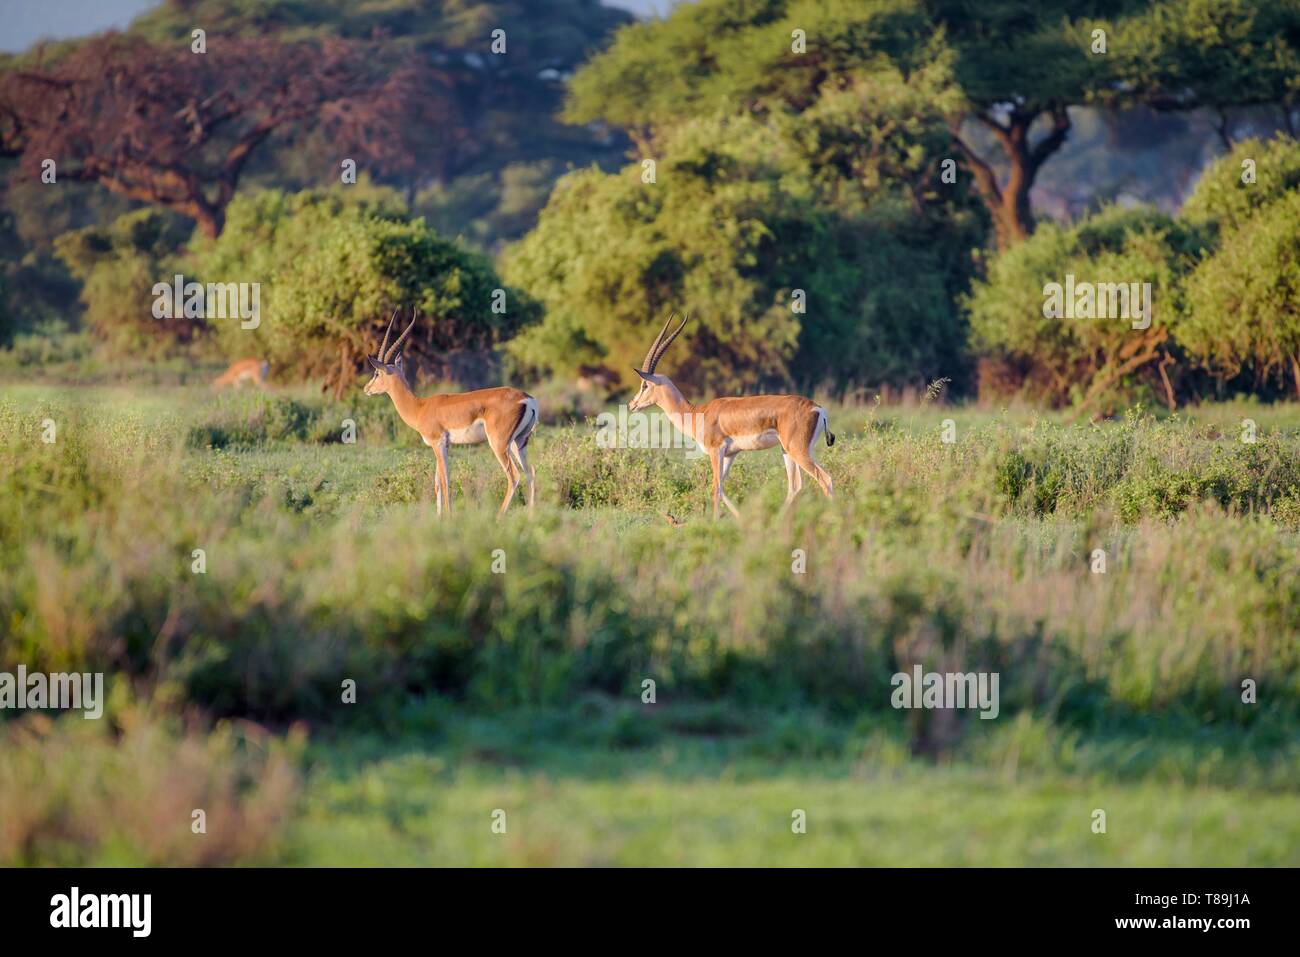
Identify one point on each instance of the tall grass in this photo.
(323, 562)
(973, 555)
(124, 791)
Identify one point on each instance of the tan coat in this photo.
(244, 370)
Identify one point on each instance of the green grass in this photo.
(477, 690)
(728, 800)
(411, 810)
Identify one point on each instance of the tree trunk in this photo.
(1009, 205)
(1013, 219)
(210, 221)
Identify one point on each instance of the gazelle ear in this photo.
(643, 375)
(378, 367)
(397, 363)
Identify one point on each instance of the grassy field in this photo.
(499, 665)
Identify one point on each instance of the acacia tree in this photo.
(173, 127)
(1018, 66)
(459, 101)
(1217, 55)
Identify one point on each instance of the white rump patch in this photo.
(818, 429)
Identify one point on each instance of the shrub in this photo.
(118, 266)
(334, 266)
(1242, 304)
(737, 220)
(1222, 202)
(299, 595)
(1080, 360)
(121, 792)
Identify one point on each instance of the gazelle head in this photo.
(654, 387)
(388, 364)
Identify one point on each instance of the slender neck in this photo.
(680, 412)
(407, 403)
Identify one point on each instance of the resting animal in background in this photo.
(245, 370)
(504, 418)
(723, 428)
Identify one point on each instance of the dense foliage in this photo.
(118, 267)
(789, 250)
(334, 265)
(1225, 293)
(1016, 69)
(1252, 174)
(1061, 357)
(1243, 302)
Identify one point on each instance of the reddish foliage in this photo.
(168, 126)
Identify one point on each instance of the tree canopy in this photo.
(1016, 68)
(793, 272)
(166, 125)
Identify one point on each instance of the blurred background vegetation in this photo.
(858, 197)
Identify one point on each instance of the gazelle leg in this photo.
(512, 476)
(444, 487)
(437, 482)
(727, 460)
(809, 464)
(821, 475)
(520, 449)
(793, 478)
(715, 462)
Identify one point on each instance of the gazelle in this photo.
(504, 418)
(244, 370)
(723, 428)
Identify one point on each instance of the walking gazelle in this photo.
(725, 427)
(504, 418)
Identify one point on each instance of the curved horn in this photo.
(647, 364)
(663, 347)
(415, 314)
(387, 332)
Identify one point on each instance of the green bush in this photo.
(118, 267)
(1223, 202)
(1062, 360)
(309, 584)
(334, 264)
(1242, 304)
(737, 220)
(119, 792)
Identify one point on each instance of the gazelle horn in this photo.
(387, 332)
(663, 347)
(415, 314)
(647, 363)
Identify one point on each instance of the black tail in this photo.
(830, 436)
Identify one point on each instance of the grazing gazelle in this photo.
(504, 418)
(245, 370)
(723, 428)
